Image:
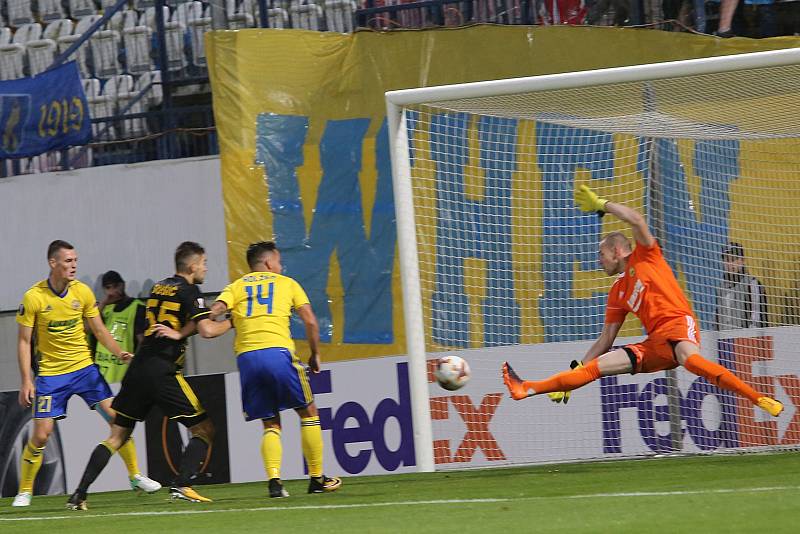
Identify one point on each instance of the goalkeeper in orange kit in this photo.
(646, 287)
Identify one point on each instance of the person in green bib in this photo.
(124, 317)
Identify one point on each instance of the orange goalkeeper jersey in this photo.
(648, 289)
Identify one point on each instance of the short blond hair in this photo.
(616, 239)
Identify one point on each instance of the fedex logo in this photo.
(476, 419)
(352, 423)
(737, 425)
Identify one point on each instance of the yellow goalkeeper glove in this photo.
(587, 200)
(563, 396)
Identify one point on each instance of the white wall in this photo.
(128, 218)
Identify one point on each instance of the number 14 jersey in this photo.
(261, 305)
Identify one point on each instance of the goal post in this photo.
(497, 263)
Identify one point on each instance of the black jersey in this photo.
(173, 302)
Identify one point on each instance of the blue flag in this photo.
(43, 113)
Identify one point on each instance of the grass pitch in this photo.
(748, 493)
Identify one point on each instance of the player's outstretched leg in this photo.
(564, 381)
(722, 377)
(514, 383)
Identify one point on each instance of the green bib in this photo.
(121, 326)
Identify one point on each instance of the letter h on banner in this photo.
(469, 228)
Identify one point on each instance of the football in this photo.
(452, 372)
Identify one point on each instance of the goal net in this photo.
(499, 264)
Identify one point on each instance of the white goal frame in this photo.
(396, 101)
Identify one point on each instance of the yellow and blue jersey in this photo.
(261, 305)
(57, 321)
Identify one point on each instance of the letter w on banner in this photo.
(43, 113)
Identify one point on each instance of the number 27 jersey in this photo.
(261, 305)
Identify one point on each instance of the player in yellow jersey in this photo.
(55, 309)
(271, 375)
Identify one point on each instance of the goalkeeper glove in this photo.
(563, 396)
(587, 200)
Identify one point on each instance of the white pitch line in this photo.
(81, 515)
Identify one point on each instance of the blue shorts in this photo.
(272, 380)
(53, 392)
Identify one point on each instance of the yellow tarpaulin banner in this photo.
(301, 123)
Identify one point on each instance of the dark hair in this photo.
(184, 253)
(256, 251)
(55, 246)
(733, 250)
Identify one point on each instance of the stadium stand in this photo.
(124, 57)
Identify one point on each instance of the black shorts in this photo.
(155, 381)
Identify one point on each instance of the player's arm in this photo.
(211, 326)
(587, 200)
(103, 336)
(26, 389)
(312, 335)
(603, 342)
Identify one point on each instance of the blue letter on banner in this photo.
(471, 229)
(338, 223)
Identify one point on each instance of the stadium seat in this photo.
(339, 15)
(80, 55)
(155, 94)
(57, 29)
(186, 12)
(137, 41)
(277, 17)
(12, 61)
(142, 5)
(122, 89)
(105, 53)
(176, 57)
(100, 106)
(41, 54)
(197, 29)
(306, 16)
(148, 18)
(122, 20)
(50, 10)
(19, 12)
(81, 8)
(27, 32)
(5, 35)
(240, 21)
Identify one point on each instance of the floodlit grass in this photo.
(701, 494)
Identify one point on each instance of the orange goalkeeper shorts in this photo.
(657, 352)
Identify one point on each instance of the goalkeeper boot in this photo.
(514, 383)
(770, 405)
(77, 501)
(186, 493)
(276, 490)
(324, 484)
(139, 482)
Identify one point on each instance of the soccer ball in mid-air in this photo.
(452, 372)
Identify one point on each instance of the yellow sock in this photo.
(271, 452)
(128, 454)
(31, 462)
(311, 436)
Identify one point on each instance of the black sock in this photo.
(193, 457)
(97, 462)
